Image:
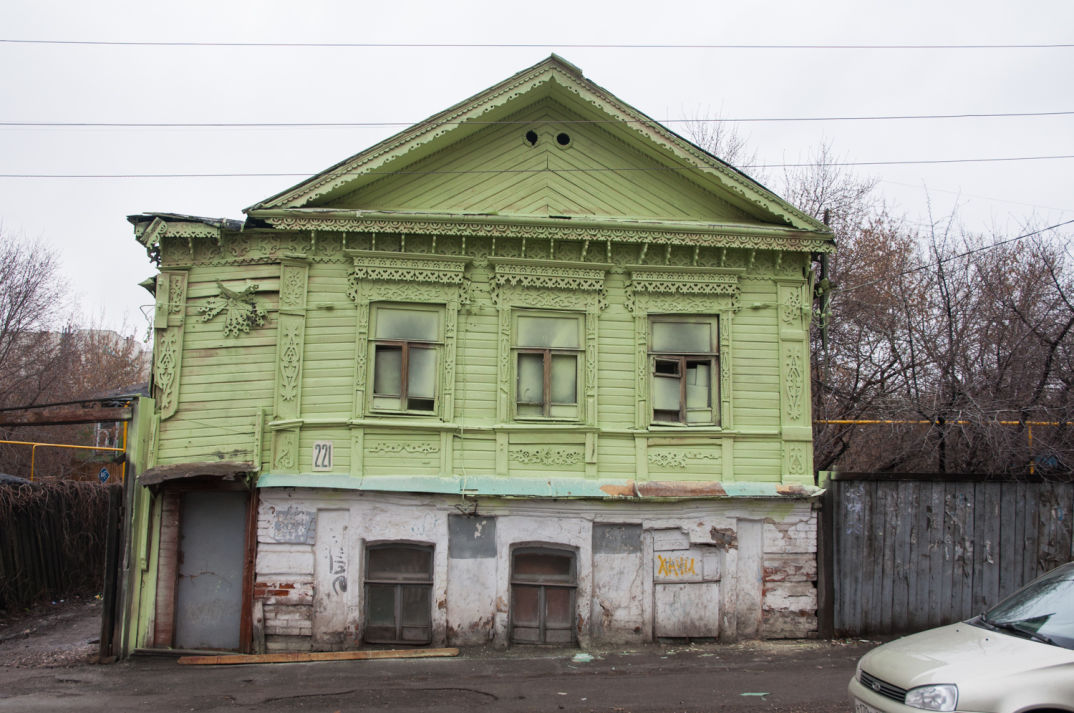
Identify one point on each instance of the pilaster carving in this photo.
(793, 382)
(290, 339)
(169, 317)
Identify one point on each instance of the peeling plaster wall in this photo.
(727, 569)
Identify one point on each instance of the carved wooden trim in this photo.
(169, 318)
(412, 278)
(549, 285)
(291, 338)
(804, 242)
(697, 291)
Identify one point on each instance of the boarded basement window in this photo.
(398, 594)
(543, 584)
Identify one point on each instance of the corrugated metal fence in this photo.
(902, 553)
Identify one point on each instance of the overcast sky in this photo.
(84, 218)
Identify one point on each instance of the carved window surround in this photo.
(555, 286)
(654, 290)
(379, 276)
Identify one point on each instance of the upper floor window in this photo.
(406, 355)
(548, 354)
(684, 364)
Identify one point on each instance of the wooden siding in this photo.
(228, 387)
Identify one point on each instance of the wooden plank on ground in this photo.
(308, 656)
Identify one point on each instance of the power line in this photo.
(958, 256)
(388, 124)
(539, 45)
(534, 170)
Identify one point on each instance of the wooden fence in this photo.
(902, 553)
(52, 539)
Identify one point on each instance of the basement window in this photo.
(543, 583)
(398, 594)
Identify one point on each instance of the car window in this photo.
(1044, 608)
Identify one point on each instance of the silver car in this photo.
(1016, 658)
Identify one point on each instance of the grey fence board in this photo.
(908, 554)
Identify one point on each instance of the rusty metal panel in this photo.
(208, 603)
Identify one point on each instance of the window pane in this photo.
(557, 603)
(551, 332)
(543, 566)
(698, 385)
(416, 605)
(524, 608)
(388, 371)
(380, 605)
(564, 379)
(682, 337)
(666, 393)
(416, 324)
(421, 373)
(530, 378)
(401, 563)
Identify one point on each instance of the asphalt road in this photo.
(784, 677)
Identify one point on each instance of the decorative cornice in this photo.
(593, 231)
(547, 276)
(683, 283)
(430, 269)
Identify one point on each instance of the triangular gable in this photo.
(474, 157)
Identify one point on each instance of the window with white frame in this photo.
(684, 367)
(406, 342)
(548, 362)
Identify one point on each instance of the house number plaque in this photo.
(322, 456)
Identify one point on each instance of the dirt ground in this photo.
(52, 634)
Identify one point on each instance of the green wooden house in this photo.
(534, 370)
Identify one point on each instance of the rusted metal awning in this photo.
(217, 469)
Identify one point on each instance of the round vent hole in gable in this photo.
(531, 137)
(563, 139)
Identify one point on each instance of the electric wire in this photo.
(539, 45)
(911, 162)
(389, 124)
(957, 256)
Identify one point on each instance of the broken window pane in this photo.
(666, 393)
(409, 324)
(550, 332)
(684, 370)
(698, 385)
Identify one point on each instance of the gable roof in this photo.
(554, 82)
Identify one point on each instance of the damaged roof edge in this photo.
(222, 470)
